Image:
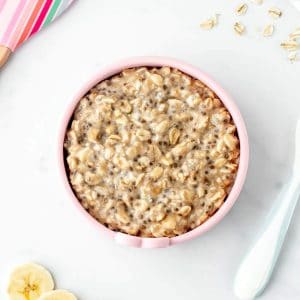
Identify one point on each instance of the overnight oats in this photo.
(151, 152)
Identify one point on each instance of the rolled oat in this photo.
(151, 152)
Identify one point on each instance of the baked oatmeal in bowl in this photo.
(153, 151)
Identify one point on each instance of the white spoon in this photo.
(256, 269)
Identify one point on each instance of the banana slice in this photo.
(58, 295)
(29, 282)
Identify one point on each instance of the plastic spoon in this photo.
(256, 269)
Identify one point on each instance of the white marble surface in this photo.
(38, 221)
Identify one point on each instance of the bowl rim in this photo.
(158, 61)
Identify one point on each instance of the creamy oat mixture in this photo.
(151, 152)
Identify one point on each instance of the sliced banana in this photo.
(29, 282)
(58, 295)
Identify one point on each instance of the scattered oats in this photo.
(239, 28)
(275, 12)
(293, 56)
(268, 30)
(210, 23)
(241, 9)
(289, 45)
(292, 45)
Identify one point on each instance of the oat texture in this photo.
(151, 152)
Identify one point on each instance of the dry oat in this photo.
(241, 9)
(275, 12)
(239, 28)
(293, 56)
(268, 30)
(290, 45)
(210, 23)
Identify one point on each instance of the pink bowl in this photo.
(107, 72)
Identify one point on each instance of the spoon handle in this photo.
(256, 269)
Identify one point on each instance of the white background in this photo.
(39, 223)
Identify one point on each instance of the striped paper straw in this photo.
(20, 19)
